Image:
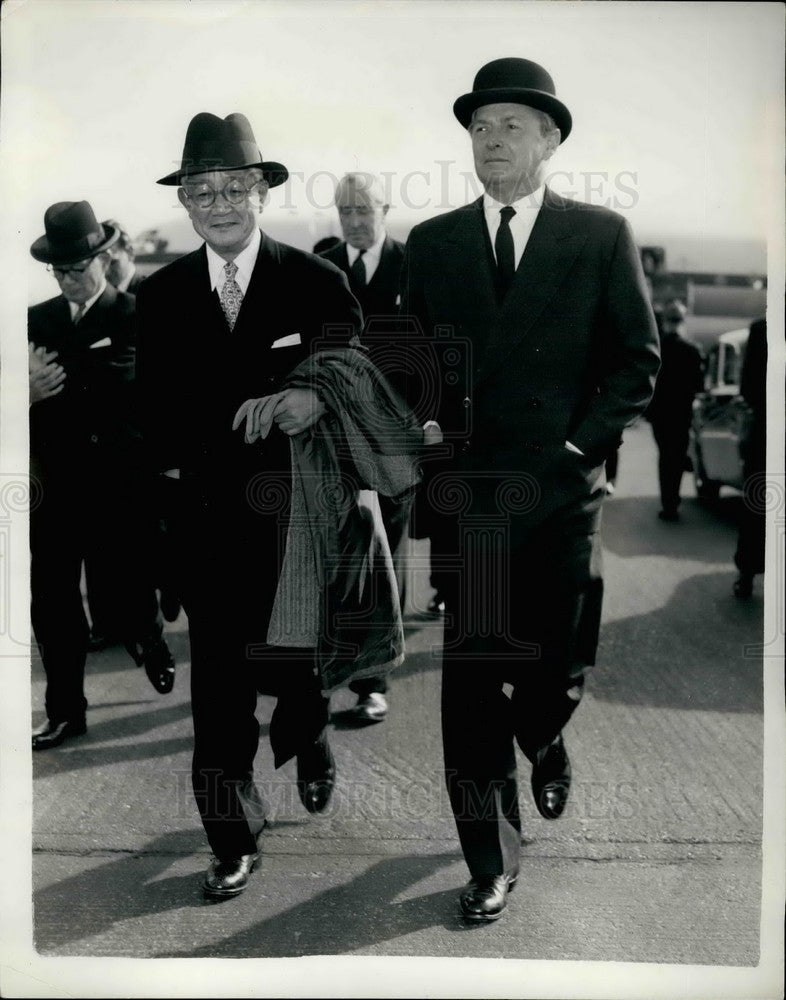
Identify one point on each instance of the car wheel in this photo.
(706, 489)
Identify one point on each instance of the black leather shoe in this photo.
(436, 606)
(316, 777)
(669, 515)
(743, 586)
(97, 641)
(155, 657)
(485, 897)
(551, 779)
(52, 734)
(372, 707)
(228, 877)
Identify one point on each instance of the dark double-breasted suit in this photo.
(85, 451)
(379, 298)
(569, 354)
(229, 508)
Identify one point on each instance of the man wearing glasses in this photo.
(217, 328)
(86, 466)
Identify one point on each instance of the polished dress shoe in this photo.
(551, 779)
(743, 585)
(97, 641)
(52, 734)
(155, 657)
(485, 897)
(316, 776)
(436, 606)
(169, 603)
(229, 876)
(372, 707)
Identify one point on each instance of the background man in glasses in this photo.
(217, 328)
(85, 455)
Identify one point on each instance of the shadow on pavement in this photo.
(692, 653)
(706, 532)
(358, 914)
(120, 890)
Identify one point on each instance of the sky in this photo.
(677, 107)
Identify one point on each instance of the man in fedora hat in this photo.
(545, 301)
(219, 327)
(85, 455)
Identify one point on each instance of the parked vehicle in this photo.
(721, 418)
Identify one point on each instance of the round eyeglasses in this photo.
(61, 272)
(203, 196)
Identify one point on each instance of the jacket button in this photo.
(465, 446)
(94, 438)
(466, 403)
(534, 402)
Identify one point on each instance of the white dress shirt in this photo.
(75, 307)
(521, 224)
(244, 262)
(370, 257)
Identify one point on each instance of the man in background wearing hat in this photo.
(372, 259)
(670, 410)
(545, 301)
(85, 456)
(217, 328)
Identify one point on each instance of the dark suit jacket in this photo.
(194, 373)
(88, 427)
(380, 298)
(570, 354)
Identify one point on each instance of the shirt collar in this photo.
(244, 261)
(528, 203)
(74, 307)
(374, 252)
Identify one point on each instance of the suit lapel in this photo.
(550, 252)
(94, 325)
(468, 264)
(260, 294)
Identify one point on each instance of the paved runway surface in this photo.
(657, 859)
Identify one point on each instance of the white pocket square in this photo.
(106, 342)
(290, 341)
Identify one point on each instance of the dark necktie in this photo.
(503, 248)
(357, 273)
(79, 314)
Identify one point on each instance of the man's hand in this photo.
(297, 410)
(46, 377)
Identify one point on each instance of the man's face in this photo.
(509, 149)
(672, 325)
(361, 216)
(121, 264)
(222, 205)
(80, 281)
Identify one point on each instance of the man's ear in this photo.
(182, 197)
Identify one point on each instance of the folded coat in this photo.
(337, 590)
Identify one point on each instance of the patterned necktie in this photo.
(357, 273)
(231, 296)
(503, 248)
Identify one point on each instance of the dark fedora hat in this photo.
(214, 143)
(514, 81)
(72, 233)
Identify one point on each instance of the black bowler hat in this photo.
(214, 143)
(514, 81)
(72, 234)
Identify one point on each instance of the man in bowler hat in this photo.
(86, 458)
(545, 301)
(219, 327)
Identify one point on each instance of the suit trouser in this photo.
(672, 442)
(74, 518)
(548, 637)
(395, 518)
(228, 564)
